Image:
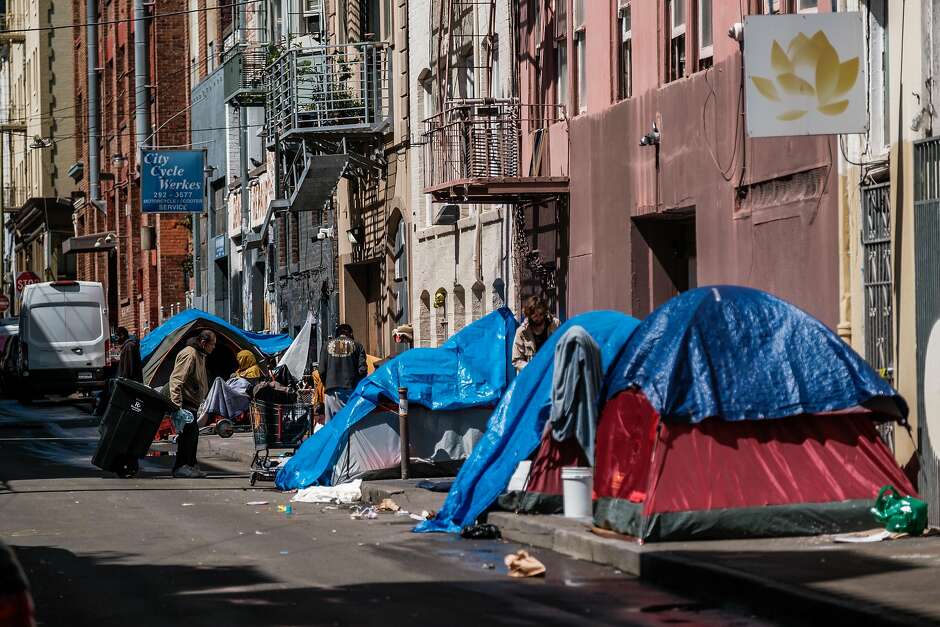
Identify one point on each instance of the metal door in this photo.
(927, 289)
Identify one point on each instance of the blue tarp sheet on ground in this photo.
(267, 343)
(471, 369)
(742, 354)
(515, 429)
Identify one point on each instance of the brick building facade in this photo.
(150, 279)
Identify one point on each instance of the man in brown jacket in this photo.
(189, 384)
(532, 333)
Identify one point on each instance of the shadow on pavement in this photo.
(104, 590)
(786, 584)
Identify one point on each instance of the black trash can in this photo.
(129, 424)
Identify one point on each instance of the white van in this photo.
(64, 337)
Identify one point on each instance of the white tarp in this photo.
(298, 356)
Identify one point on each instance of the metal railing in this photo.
(11, 27)
(329, 89)
(243, 73)
(13, 197)
(473, 139)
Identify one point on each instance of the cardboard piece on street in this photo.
(388, 505)
(521, 564)
(861, 537)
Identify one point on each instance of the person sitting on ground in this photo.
(532, 334)
(189, 384)
(342, 365)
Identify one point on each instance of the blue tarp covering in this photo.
(742, 354)
(267, 343)
(471, 369)
(517, 424)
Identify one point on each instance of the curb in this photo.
(213, 445)
(706, 579)
(408, 498)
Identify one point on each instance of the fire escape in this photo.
(485, 150)
(326, 110)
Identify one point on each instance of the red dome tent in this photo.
(730, 413)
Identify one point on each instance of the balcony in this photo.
(11, 29)
(243, 75)
(474, 152)
(329, 92)
(13, 119)
(13, 198)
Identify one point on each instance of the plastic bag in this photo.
(485, 531)
(903, 514)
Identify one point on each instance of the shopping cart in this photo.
(276, 426)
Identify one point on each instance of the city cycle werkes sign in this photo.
(172, 181)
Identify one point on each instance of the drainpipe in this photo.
(91, 36)
(243, 176)
(141, 73)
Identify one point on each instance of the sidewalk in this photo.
(806, 580)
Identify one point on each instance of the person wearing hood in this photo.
(248, 367)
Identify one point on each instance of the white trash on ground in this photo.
(344, 493)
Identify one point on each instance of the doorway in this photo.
(664, 257)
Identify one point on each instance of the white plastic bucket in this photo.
(577, 487)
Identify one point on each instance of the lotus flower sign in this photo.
(804, 74)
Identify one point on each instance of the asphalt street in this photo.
(154, 550)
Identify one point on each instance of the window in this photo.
(76, 322)
(773, 7)
(676, 10)
(705, 34)
(580, 45)
(878, 75)
(807, 6)
(210, 57)
(625, 88)
(561, 52)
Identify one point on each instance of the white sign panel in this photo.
(804, 74)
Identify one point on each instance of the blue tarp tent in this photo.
(516, 427)
(744, 354)
(267, 343)
(471, 370)
(159, 347)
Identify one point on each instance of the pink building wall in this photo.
(781, 237)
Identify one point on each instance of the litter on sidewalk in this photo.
(344, 493)
(388, 505)
(424, 515)
(485, 531)
(256, 503)
(521, 564)
(861, 537)
(367, 513)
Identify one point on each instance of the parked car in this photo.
(64, 338)
(16, 602)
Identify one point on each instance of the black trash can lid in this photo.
(134, 387)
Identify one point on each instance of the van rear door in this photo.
(66, 335)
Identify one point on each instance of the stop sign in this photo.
(4, 302)
(25, 278)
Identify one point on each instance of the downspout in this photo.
(247, 266)
(91, 36)
(141, 73)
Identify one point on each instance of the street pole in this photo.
(403, 431)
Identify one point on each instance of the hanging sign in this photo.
(172, 181)
(804, 74)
